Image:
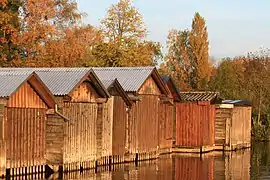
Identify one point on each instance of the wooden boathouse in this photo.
(24, 101)
(167, 116)
(146, 88)
(195, 122)
(233, 125)
(74, 130)
(75, 142)
(115, 115)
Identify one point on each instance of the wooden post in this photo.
(228, 130)
(2, 141)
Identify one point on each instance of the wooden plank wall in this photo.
(147, 124)
(143, 135)
(144, 123)
(241, 125)
(119, 128)
(132, 142)
(2, 141)
(54, 139)
(222, 115)
(195, 124)
(107, 127)
(26, 97)
(166, 117)
(84, 93)
(26, 139)
(194, 168)
(80, 137)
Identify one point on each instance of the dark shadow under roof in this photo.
(166, 79)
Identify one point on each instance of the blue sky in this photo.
(235, 27)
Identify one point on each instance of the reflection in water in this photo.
(251, 164)
(194, 168)
(233, 165)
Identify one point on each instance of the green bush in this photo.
(260, 128)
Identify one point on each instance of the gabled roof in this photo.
(62, 81)
(12, 81)
(237, 102)
(200, 96)
(174, 90)
(131, 78)
(114, 84)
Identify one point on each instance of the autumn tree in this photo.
(187, 59)
(228, 79)
(125, 38)
(43, 23)
(177, 60)
(198, 40)
(247, 78)
(9, 28)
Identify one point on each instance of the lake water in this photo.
(250, 164)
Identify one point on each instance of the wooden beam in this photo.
(134, 98)
(101, 100)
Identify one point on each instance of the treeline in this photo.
(50, 33)
(247, 78)
(239, 78)
(39, 33)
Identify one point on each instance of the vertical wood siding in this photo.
(26, 97)
(222, 115)
(26, 139)
(133, 133)
(144, 121)
(147, 124)
(54, 139)
(149, 87)
(144, 125)
(194, 168)
(241, 125)
(165, 125)
(2, 141)
(84, 93)
(79, 132)
(119, 127)
(107, 126)
(195, 125)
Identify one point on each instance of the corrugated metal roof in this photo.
(237, 102)
(10, 82)
(198, 96)
(130, 78)
(107, 82)
(60, 81)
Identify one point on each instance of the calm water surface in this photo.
(243, 165)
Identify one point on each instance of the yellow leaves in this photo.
(123, 21)
(3, 3)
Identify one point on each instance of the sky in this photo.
(235, 27)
